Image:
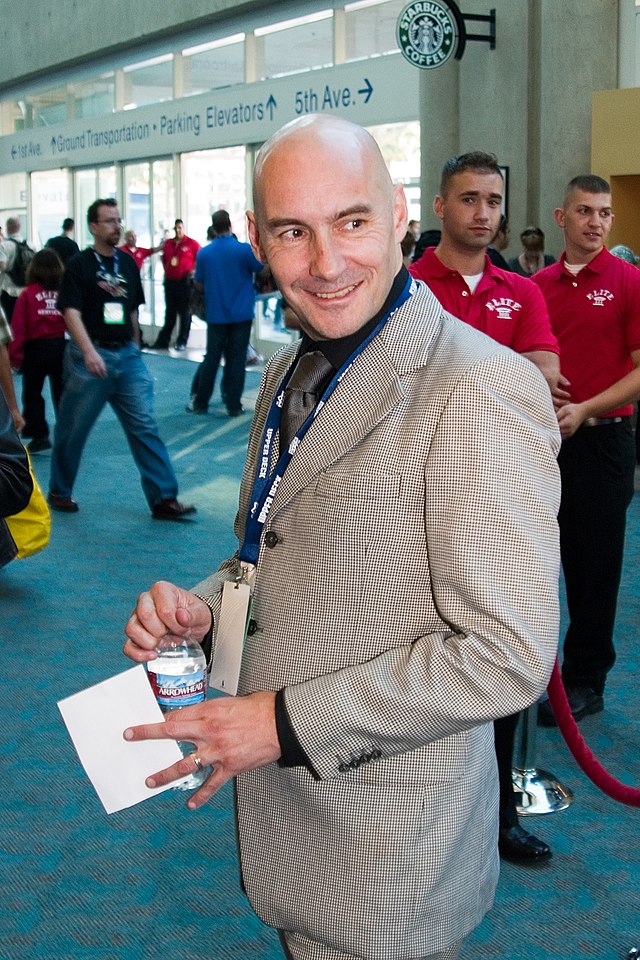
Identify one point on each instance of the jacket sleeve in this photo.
(492, 495)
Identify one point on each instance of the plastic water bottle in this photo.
(178, 677)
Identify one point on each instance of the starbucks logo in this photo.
(427, 33)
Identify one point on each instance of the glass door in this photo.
(136, 213)
(49, 204)
(162, 212)
(89, 185)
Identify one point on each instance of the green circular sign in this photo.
(427, 33)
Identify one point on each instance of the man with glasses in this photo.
(99, 297)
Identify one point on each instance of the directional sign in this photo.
(380, 90)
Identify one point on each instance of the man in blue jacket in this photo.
(225, 270)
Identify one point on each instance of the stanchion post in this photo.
(539, 791)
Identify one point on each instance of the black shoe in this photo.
(516, 844)
(64, 504)
(582, 700)
(38, 446)
(159, 345)
(192, 407)
(180, 346)
(236, 412)
(171, 510)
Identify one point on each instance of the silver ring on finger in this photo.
(197, 761)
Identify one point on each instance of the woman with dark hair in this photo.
(533, 257)
(38, 344)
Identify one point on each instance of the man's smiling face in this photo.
(329, 222)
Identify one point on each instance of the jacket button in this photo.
(251, 628)
(271, 539)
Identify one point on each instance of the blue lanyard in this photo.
(266, 483)
(103, 266)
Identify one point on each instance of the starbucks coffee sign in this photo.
(429, 32)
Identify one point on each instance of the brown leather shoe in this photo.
(64, 504)
(172, 510)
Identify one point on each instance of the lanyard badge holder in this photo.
(231, 632)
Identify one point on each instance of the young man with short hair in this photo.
(594, 304)
(511, 310)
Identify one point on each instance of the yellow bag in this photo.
(32, 526)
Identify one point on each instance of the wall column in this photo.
(439, 106)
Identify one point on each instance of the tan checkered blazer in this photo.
(409, 598)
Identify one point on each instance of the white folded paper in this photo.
(96, 719)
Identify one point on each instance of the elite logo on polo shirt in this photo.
(598, 297)
(50, 299)
(505, 307)
(427, 33)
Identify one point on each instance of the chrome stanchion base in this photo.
(539, 792)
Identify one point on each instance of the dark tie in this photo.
(302, 393)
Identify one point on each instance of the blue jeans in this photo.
(128, 387)
(230, 340)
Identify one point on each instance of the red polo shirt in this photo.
(179, 257)
(139, 254)
(596, 318)
(35, 317)
(504, 305)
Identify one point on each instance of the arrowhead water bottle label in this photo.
(173, 692)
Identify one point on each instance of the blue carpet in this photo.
(156, 881)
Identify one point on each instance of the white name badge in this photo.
(113, 313)
(231, 634)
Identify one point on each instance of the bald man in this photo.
(400, 546)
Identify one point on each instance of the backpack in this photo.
(24, 255)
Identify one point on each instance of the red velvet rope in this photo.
(575, 741)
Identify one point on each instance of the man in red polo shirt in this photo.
(509, 309)
(139, 254)
(594, 304)
(505, 306)
(179, 262)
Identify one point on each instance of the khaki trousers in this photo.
(297, 947)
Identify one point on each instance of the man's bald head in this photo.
(338, 137)
(328, 221)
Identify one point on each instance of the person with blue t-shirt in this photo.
(224, 270)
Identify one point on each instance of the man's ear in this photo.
(558, 216)
(254, 237)
(400, 211)
(438, 204)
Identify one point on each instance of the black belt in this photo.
(111, 344)
(602, 421)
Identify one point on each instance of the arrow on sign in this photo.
(368, 90)
(271, 105)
